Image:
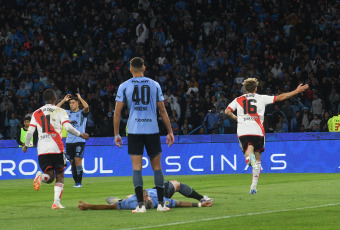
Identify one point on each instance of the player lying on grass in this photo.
(151, 201)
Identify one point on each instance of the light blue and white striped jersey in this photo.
(141, 95)
(78, 121)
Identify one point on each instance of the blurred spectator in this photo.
(13, 126)
(211, 120)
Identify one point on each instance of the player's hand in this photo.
(83, 205)
(85, 136)
(170, 139)
(302, 88)
(118, 141)
(207, 204)
(78, 95)
(67, 97)
(24, 149)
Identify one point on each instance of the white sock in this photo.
(58, 192)
(45, 177)
(256, 175)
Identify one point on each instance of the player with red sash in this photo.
(250, 115)
(48, 120)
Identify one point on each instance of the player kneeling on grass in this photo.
(151, 201)
(250, 116)
(48, 120)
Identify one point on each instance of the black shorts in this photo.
(56, 162)
(256, 141)
(152, 143)
(75, 150)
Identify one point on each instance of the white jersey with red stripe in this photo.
(49, 120)
(250, 113)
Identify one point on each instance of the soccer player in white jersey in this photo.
(143, 96)
(48, 120)
(250, 115)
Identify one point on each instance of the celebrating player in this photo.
(250, 131)
(75, 145)
(143, 95)
(151, 201)
(48, 120)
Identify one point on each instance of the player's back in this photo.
(250, 113)
(141, 95)
(49, 120)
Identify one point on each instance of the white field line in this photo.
(232, 216)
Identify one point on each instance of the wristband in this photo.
(199, 205)
(117, 136)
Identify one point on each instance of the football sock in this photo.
(74, 173)
(58, 192)
(159, 182)
(79, 174)
(256, 175)
(138, 184)
(45, 177)
(187, 191)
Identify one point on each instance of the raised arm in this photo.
(66, 99)
(162, 111)
(86, 107)
(285, 96)
(185, 204)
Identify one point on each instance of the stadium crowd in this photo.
(199, 51)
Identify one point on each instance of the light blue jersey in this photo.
(141, 95)
(78, 121)
(131, 202)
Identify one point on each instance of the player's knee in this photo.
(50, 180)
(176, 184)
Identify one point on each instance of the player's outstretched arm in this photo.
(184, 204)
(29, 136)
(66, 99)
(162, 111)
(285, 96)
(230, 114)
(86, 107)
(85, 206)
(116, 123)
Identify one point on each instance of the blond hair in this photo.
(250, 85)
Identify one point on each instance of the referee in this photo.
(143, 96)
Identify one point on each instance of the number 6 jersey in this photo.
(141, 95)
(250, 113)
(49, 120)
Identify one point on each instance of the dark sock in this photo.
(79, 174)
(159, 182)
(138, 185)
(187, 191)
(74, 173)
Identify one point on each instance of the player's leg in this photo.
(154, 149)
(59, 163)
(250, 156)
(135, 150)
(188, 191)
(79, 163)
(256, 173)
(70, 150)
(47, 174)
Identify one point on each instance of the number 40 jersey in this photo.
(49, 120)
(250, 113)
(141, 95)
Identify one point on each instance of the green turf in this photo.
(273, 207)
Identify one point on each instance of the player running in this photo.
(75, 145)
(143, 96)
(151, 201)
(48, 120)
(250, 131)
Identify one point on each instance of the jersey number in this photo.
(248, 108)
(144, 97)
(43, 125)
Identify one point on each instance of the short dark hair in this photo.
(137, 62)
(27, 119)
(49, 95)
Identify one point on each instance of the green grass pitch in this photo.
(283, 201)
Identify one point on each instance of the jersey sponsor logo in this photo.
(336, 126)
(143, 120)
